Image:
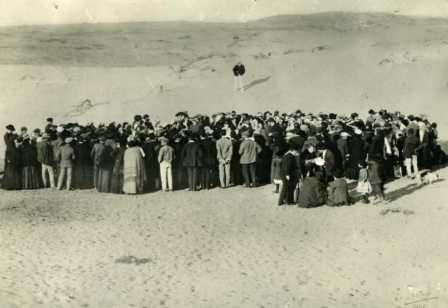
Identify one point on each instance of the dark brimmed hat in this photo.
(182, 113)
(10, 127)
(49, 119)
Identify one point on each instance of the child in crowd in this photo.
(338, 190)
(166, 156)
(276, 168)
(364, 187)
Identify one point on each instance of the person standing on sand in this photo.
(45, 157)
(133, 169)
(192, 160)
(95, 154)
(289, 170)
(238, 71)
(248, 151)
(29, 163)
(165, 158)
(66, 156)
(12, 177)
(411, 147)
(224, 149)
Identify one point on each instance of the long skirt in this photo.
(375, 172)
(134, 171)
(104, 180)
(276, 172)
(30, 177)
(116, 185)
(12, 178)
(83, 177)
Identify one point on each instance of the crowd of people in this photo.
(307, 157)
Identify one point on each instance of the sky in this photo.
(22, 12)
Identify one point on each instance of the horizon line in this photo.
(227, 21)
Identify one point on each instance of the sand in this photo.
(222, 248)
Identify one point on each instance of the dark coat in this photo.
(376, 149)
(290, 167)
(357, 155)
(9, 139)
(12, 178)
(411, 146)
(192, 155)
(330, 162)
(209, 153)
(28, 155)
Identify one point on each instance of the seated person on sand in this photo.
(338, 190)
(313, 192)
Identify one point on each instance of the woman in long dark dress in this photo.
(30, 171)
(83, 170)
(12, 177)
(376, 165)
(116, 185)
(106, 164)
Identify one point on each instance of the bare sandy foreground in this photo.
(222, 248)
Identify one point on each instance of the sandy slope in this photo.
(222, 248)
(319, 62)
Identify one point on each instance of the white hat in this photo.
(358, 131)
(59, 129)
(345, 134)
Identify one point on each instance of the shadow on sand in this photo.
(256, 82)
(404, 191)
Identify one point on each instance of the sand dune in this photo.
(394, 62)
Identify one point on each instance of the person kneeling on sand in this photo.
(338, 190)
(166, 156)
(313, 192)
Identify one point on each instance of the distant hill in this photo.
(160, 43)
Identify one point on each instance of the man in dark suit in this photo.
(192, 160)
(290, 173)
